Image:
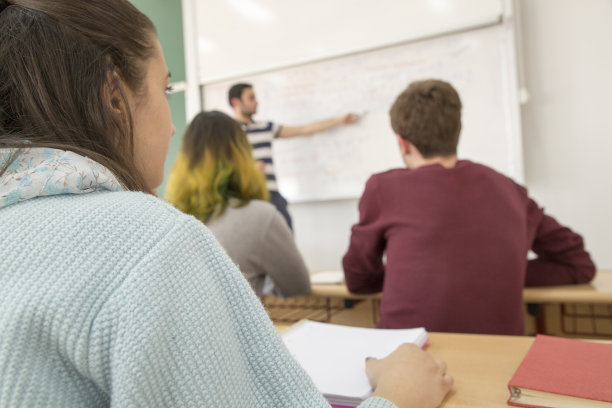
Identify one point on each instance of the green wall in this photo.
(168, 19)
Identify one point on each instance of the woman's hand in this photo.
(409, 377)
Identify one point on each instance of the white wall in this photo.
(322, 231)
(567, 123)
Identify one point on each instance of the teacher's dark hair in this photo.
(60, 61)
(236, 91)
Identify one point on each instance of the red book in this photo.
(559, 372)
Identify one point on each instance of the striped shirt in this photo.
(260, 135)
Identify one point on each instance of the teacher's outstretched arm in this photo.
(320, 126)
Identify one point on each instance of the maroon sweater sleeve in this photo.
(562, 259)
(363, 267)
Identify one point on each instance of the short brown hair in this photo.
(58, 57)
(428, 115)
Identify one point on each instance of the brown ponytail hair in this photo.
(59, 60)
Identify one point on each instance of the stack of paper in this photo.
(334, 356)
(326, 277)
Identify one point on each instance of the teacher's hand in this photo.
(350, 118)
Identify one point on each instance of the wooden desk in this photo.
(338, 290)
(481, 365)
(574, 310)
(598, 291)
(590, 302)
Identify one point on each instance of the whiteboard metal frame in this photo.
(193, 100)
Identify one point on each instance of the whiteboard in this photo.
(336, 164)
(238, 37)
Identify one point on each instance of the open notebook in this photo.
(334, 356)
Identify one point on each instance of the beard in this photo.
(247, 113)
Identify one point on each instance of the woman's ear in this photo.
(114, 95)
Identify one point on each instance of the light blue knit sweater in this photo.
(114, 298)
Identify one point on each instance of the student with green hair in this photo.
(216, 180)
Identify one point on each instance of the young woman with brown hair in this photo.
(108, 296)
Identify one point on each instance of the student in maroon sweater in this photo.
(455, 233)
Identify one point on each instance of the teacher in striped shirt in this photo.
(242, 99)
